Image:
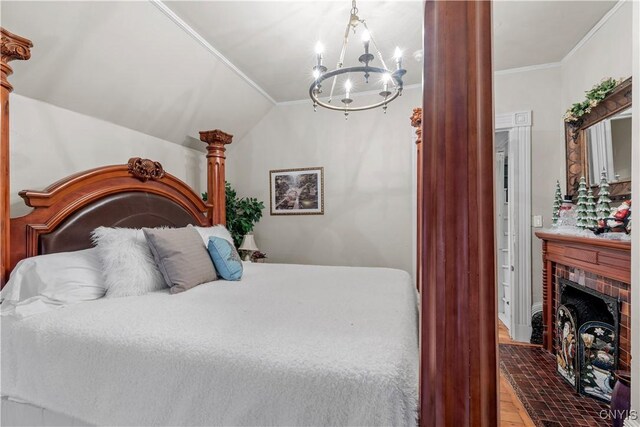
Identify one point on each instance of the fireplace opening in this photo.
(586, 342)
(588, 307)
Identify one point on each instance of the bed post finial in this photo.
(216, 140)
(12, 47)
(416, 122)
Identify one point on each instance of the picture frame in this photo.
(297, 191)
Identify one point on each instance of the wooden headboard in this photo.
(137, 194)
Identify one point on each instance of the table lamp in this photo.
(248, 246)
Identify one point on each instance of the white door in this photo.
(503, 229)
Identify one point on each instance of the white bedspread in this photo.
(287, 345)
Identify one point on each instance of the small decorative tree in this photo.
(603, 208)
(242, 213)
(592, 218)
(581, 213)
(557, 202)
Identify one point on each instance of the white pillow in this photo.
(127, 263)
(215, 231)
(44, 282)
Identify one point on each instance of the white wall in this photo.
(49, 143)
(367, 162)
(537, 91)
(548, 92)
(606, 54)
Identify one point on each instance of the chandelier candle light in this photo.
(389, 79)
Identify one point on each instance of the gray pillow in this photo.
(180, 256)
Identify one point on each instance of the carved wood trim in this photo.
(12, 47)
(575, 140)
(416, 122)
(145, 169)
(547, 306)
(216, 202)
(67, 196)
(458, 299)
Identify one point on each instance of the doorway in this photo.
(513, 222)
(502, 228)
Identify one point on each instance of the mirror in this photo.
(600, 139)
(609, 149)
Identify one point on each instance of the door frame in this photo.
(518, 124)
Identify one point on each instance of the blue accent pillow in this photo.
(225, 258)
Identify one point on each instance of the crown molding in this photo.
(527, 68)
(594, 29)
(197, 37)
(353, 95)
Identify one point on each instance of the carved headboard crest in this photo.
(145, 169)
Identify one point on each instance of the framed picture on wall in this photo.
(297, 191)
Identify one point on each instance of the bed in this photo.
(288, 345)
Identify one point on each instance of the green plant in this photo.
(242, 213)
(593, 98)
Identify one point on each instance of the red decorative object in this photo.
(618, 222)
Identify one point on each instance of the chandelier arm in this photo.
(375, 46)
(345, 40)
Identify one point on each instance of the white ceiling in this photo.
(273, 41)
(128, 64)
(539, 32)
(131, 64)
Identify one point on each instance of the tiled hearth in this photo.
(549, 401)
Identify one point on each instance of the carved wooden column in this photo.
(458, 299)
(13, 47)
(216, 140)
(547, 342)
(416, 122)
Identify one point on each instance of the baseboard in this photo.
(503, 319)
(521, 333)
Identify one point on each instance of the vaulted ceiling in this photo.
(273, 41)
(129, 64)
(539, 32)
(170, 69)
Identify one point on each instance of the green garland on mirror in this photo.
(594, 97)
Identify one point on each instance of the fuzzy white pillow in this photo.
(128, 265)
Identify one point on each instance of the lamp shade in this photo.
(248, 243)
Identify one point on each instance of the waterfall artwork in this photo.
(297, 191)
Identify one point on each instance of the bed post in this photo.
(459, 375)
(13, 47)
(416, 122)
(216, 140)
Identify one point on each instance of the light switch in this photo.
(537, 221)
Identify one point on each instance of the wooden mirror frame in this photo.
(576, 143)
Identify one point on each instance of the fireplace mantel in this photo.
(605, 258)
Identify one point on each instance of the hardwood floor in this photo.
(512, 413)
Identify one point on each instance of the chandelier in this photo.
(390, 81)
